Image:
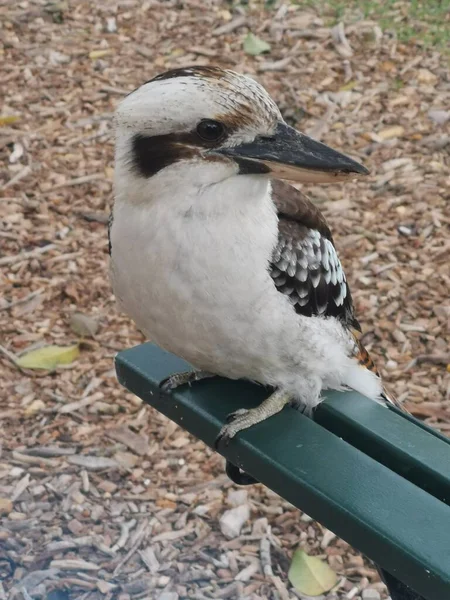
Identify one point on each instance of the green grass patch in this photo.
(423, 21)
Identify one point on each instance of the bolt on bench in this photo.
(376, 477)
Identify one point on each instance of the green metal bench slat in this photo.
(420, 424)
(399, 525)
(413, 452)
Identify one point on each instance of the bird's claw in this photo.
(232, 416)
(171, 383)
(186, 377)
(220, 440)
(227, 432)
(235, 422)
(166, 385)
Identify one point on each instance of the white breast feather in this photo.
(191, 267)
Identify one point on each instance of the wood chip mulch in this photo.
(100, 496)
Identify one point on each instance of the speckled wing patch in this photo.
(305, 266)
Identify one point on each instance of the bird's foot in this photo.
(186, 377)
(245, 418)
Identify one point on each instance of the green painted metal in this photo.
(402, 527)
(392, 438)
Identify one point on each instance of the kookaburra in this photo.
(219, 262)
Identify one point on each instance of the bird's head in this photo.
(219, 124)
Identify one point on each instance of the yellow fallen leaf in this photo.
(309, 575)
(177, 53)
(8, 120)
(35, 407)
(348, 86)
(391, 132)
(48, 357)
(100, 53)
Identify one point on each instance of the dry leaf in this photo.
(225, 15)
(6, 506)
(8, 119)
(71, 292)
(48, 357)
(391, 132)
(100, 53)
(35, 407)
(348, 86)
(310, 575)
(254, 45)
(387, 66)
(426, 76)
(83, 325)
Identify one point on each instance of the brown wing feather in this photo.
(294, 204)
(303, 228)
(305, 265)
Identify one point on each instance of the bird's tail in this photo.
(391, 399)
(365, 360)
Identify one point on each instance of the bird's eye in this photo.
(210, 131)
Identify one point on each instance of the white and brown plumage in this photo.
(219, 262)
(305, 264)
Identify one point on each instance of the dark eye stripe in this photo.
(151, 154)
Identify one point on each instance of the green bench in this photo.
(376, 477)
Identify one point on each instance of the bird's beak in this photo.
(288, 154)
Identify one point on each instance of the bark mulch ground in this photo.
(100, 496)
